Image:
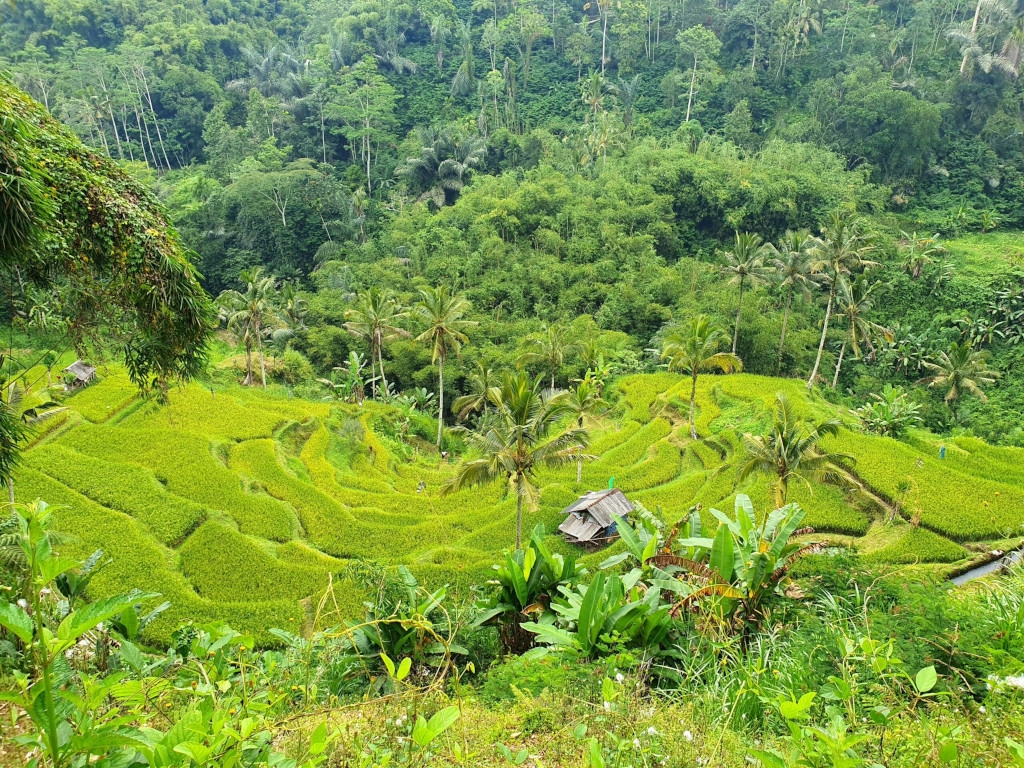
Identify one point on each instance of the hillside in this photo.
(236, 504)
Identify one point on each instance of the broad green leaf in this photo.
(16, 621)
(403, 668)
(318, 739)
(388, 664)
(926, 679)
(722, 553)
(132, 656)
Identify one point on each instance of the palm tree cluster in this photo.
(441, 169)
(261, 310)
(801, 264)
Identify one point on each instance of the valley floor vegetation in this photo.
(240, 612)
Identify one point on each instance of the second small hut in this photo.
(590, 519)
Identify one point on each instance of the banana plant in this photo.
(747, 563)
(526, 583)
(610, 612)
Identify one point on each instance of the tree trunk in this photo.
(248, 365)
(519, 519)
(440, 399)
(824, 333)
(974, 30)
(785, 322)
(839, 365)
(579, 471)
(380, 361)
(604, 39)
(552, 380)
(739, 308)
(263, 365)
(693, 82)
(693, 406)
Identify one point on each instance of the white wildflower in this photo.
(619, 678)
(636, 743)
(652, 731)
(607, 706)
(687, 735)
(981, 709)
(23, 603)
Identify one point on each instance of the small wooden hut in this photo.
(79, 374)
(589, 520)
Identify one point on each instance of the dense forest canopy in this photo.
(584, 163)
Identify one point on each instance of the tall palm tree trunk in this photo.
(839, 364)
(785, 322)
(693, 407)
(739, 309)
(824, 333)
(519, 518)
(974, 31)
(248, 365)
(263, 363)
(440, 399)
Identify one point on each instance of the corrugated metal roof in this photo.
(580, 528)
(601, 505)
(81, 371)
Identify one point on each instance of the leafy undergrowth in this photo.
(240, 504)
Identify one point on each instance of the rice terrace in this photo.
(486, 384)
(237, 504)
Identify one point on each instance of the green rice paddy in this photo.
(240, 505)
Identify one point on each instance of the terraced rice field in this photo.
(239, 505)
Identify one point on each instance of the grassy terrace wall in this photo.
(239, 504)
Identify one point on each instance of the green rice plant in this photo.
(957, 504)
(98, 402)
(196, 410)
(186, 466)
(709, 457)
(139, 562)
(642, 390)
(917, 545)
(224, 565)
(674, 498)
(613, 437)
(829, 510)
(707, 405)
(661, 468)
(636, 447)
(127, 488)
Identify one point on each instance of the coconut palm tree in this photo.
(694, 350)
(793, 267)
(250, 314)
(442, 312)
(519, 440)
(844, 249)
(792, 449)
(375, 318)
(853, 303)
(960, 371)
(481, 380)
(550, 347)
(745, 264)
(585, 400)
(440, 170)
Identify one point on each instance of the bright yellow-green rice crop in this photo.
(238, 504)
